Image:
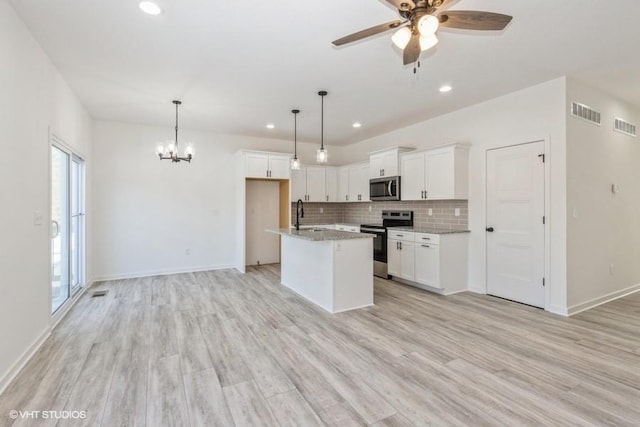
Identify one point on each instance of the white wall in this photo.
(34, 99)
(149, 212)
(527, 115)
(606, 230)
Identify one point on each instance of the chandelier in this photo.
(170, 152)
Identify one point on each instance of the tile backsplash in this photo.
(442, 213)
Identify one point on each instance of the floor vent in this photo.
(97, 294)
(585, 112)
(624, 126)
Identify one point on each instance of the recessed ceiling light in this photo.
(446, 88)
(357, 125)
(150, 7)
(271, 126)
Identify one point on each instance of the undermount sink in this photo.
(316, 229)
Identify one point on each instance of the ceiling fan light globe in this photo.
(428, 25)
(427, 42)
(401, 37)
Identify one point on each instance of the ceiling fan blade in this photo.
(400, 4)
(363, 34)
(473, 20)
(412, 51)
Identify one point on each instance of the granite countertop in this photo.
(429, 230)
(320, 235)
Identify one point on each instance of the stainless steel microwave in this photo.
(387, 188)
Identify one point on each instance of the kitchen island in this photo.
(332, 269)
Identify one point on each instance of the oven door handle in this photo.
(373, 230)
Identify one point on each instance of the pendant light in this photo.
(170, 152)
(321, 155)
(295, 163)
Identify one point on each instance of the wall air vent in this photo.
(624, 126)
(585, 112)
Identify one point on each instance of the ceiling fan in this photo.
(421, 19)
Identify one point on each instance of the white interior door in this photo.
(515, 228)
(263, 212)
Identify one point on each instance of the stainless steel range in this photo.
(389, 219)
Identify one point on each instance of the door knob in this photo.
(490, 229)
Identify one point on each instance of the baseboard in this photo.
(587, 305)
(475, 290)
(14, 370)
(166, 272)
(559, 310)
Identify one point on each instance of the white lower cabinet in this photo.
(427, 269)
(401, 255)
(429, 261)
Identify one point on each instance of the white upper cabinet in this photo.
(437, 174)
(279, 166)
(299, 184)
(332, 185)
(343, 184)
(267, 165)
(385, 163)
(309, 184)
(412, 180)
(316, 184)
(358, 182)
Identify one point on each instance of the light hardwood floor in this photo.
(221, 348)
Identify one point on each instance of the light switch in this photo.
(575, 212)
(37, 218)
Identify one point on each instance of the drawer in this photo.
(407, 236)
(434, 239)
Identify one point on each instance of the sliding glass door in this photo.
(67, 225)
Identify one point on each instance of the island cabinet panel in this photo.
(332, 269)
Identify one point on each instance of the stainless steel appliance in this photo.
(381, 189)
(389, 219)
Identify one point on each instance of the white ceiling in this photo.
(238, 66)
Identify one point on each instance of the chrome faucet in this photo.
(299, 212)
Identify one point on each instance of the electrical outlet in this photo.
(321, 210)
(612, 269)
(369, 208)
(187, 251)
(430, 212)
(456, 212)
(575, 212)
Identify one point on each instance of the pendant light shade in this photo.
(321, 154)
(295, 162)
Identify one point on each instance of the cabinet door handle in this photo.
(426, 238)
(400, 245)
(425, 246)
(382, 172)
(327, 198)
(400, 235)
(490, 229)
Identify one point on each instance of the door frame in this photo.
(74, 294)
(547, 211)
